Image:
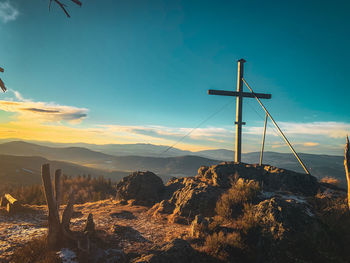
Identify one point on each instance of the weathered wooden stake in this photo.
(11, 203)
(58, 193)
(58, 230)
(347, 166)
(55, 231)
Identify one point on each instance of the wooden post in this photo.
(240, 71)
(55, 233)
(263, 142)
(347, 166)
(68, 212)
(58, 194)
(12, 205)
(239, 105)
(58, 231)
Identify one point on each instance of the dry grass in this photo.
(221, 245)
(330, 180)
(231, 203)
(35, 251)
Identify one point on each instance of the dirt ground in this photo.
(126, 227)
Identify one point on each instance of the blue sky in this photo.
(139, 71)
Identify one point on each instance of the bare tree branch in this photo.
(2, 84)
(63, 6)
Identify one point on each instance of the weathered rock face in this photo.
(176, 251)
(199, 227)
(270, 178)
(188, 197)
(281, 218)
(184, 198)
(145, 188)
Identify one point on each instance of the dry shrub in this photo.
(35, 251)
(330, 180)
(220, 244)
(231, 203)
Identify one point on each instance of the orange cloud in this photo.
(311, 144)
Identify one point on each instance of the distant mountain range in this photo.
(26, 170)
(131, 157)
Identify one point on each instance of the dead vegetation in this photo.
(231, 203)
(35, 251)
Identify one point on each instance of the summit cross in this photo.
(239, 105)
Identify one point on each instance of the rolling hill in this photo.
(185, 163)
(24, 170)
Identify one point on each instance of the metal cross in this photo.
(240, 95)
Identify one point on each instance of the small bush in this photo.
(86, 189)
(330, 180)
(35, 251)
(220, 244)
(231, 203)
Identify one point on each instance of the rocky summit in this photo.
(230, 212)
(184, 198)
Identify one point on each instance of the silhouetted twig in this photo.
(63, 6)
(2, 85)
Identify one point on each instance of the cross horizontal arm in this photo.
(236, 94)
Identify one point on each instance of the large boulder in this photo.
(282, 217)
(176, 251)
(190, 197)
(270, 178)
(145, 188)
(184, 198)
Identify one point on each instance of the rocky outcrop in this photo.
(199, 227)
(176, 251)
(145, 188)
(281, 217)
(270, 178)
(190, 197)
(184, 198)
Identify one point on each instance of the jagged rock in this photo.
(184, 198)
(99, 255)
(191, 197)
(199, 227)
(270, 178)
(145, 188)
(115, 255)
(176, 251)
(280, 217)
(90, 225)
(164, 207)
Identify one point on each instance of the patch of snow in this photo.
(27, 170)
(13, 235)
(268, 194)
(298, 199)
(308, 212)
(67, 255)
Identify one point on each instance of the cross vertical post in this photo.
(239, 104)
(240, 94)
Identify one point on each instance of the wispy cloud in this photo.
(35, 120)
(27, 110)
(174, 133)
(329, 129)
(8, 12)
